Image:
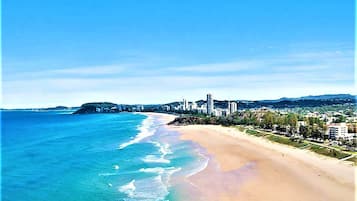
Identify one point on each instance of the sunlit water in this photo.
(54, 156)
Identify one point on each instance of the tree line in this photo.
(290, 123)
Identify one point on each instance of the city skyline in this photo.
(186, 104)
(146, 53)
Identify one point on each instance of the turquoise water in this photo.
(58, 156)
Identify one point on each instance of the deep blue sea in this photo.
(56, 156)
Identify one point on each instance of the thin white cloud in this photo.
(217, 67)
(313, 62)
(286, 75)
(96, 70)
(87, 71)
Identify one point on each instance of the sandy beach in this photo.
(248, 168)
(164, 118)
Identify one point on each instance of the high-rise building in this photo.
(185, 104)
(193, 106)
(202, 109)
(139, 108)
(233, 107)
(220, 112)
(210, 106)
(229, 107)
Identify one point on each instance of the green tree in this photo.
(340, 119)
(268, 120)
(291, 120)
(305, 131)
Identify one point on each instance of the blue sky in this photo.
(135, 51)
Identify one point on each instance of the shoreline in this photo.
(263, 170)
(164, 118)
(244, 167)
(183, 188)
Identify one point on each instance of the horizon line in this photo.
(43, 107)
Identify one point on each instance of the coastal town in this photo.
(335, 128)
(332, 123)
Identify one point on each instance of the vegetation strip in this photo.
(301, 144)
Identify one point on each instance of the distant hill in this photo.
(329, 96)
(98, 107)
(318, 97)
(56, 108)
(305, 101)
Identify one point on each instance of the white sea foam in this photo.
(128, 189)
(149, 189)
(201, 166)
(155, 159)
(159, 170)
(164, 149)
(166, 176)
(145, 130)
(107, 174)
(164, 173)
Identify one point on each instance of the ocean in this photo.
(57, 156)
